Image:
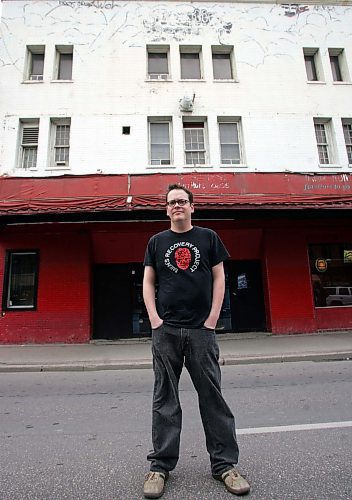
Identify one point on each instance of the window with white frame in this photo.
(29, 133)
(190, 63)
(194, 142)
(63, 62)
(323, 136)
(35, 62)
(21, 280)
(159, 141)
(229, 142)
(338, 65)
(347, 132)
(222, 62)
(312, 63)
(158, 62)
(60, 129)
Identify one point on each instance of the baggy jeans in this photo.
(198, 350)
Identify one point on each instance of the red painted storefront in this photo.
(70, 251)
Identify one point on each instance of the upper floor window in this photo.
(60, 142)
(63, 62)
(323, 136)
(229, 143)
(35, 62)
(190, 63)
(335, 65)
(194, 141)
(222, 64)
(347, 132)
(158, 62)
(29, 143)
(338, 65)
(313, 65)
(159, 141)
(21, 280)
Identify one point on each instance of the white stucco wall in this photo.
(109, 88)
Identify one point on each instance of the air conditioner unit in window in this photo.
(61, 163)
(158, 76)
(36, 77)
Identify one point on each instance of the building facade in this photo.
(104, 103)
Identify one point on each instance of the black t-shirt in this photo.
(183, 264)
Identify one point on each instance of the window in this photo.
(61, 142)
(35, 62)
(311, 59)
(64, 59)
(229, 143)
(323, 134)
(29, 144)
(347, 132)
(331, 274)
(159, 137)
(158, 62)
(194, 140)
(21, 280)
(190, 63)
(336, 63)
(222, 66)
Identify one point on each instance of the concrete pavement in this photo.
(136, 353)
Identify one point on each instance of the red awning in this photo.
(99, 193)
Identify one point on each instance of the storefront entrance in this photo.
(244, 296)
(119, 311)
(118, 308)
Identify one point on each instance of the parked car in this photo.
(338, 295)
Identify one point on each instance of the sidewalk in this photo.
(136, 353)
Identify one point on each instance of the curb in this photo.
(141, 364)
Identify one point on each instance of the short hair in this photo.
(171, 187)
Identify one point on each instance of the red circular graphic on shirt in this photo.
(183, 258)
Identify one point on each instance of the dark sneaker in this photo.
(154, 484)
(234, 482)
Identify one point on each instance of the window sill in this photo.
(19, 308)
(234, 165)
(61, 81)
(224, 80)
(316, 82)
(192, 80)
(58, 168)
(32, 82)
(342, 83)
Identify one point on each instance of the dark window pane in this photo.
(37, 67)
(331, 272)
(335, 68)
(190, 66)
(157, 63)
(222, 67)
(310, 68)
(65, 67)
(22, 280)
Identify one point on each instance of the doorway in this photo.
(245, 296)
(118, 307)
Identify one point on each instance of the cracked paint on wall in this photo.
(93, 26)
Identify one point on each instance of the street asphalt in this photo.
(136, 353)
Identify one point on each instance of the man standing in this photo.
(187, 263)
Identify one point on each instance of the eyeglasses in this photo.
(180, 203)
